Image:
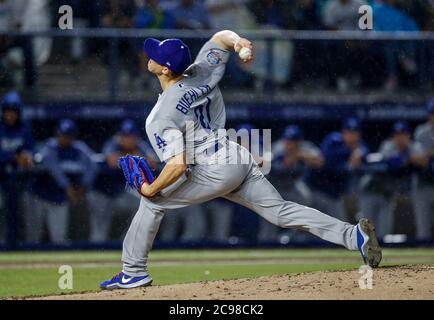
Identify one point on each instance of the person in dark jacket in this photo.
(69, 174)
(401, 156)
(293, 156)
(109, 195)
(344, 152)
(16, 154)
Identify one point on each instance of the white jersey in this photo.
(193, 102)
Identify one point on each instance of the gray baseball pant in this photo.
(241, 183)
(298, 192)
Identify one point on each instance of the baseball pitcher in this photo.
(221, 168)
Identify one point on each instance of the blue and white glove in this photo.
(136, 171)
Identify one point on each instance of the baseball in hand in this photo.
(245, 53)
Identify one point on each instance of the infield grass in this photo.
(24, 274)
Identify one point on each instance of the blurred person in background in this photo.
(234, 13)
(118, 13)
(69, 173)
(423, 197)
(419, 10)
(224, 13)
(272, 13)
(23, 15)
(122, 14)
(16, 155)
(184, 225)
(344, 152)
(345, 57)
(292, 156)
(109, 195)
(86, 14)
(308, 55)
(5, 8)
(431, 50)
(32, 15)
(273, 66)
(380, 197)
(305, 15)
(151, 15)
(190, 14)
(16, 140)
(342, 14)
(387, 17)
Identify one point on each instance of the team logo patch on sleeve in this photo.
(160, 141)
(213, 57)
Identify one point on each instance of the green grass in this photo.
(23, 280)
(158, 255)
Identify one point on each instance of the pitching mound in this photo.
(403, 282)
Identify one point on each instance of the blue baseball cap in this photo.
(67, 127)
(401, 127)
(352, 124)
(293, 132)
(430, 107)
(11, 100)
(128, 127)
(172, 53)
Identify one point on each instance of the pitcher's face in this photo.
(155, 68)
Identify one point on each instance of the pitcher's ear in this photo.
(166, 71)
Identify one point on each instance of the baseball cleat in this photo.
(367, 243)
(123, 281)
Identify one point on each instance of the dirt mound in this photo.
(403, 282)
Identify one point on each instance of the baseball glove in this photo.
(136, 171)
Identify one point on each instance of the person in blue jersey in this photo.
(344, 152)
(16, 155)
(109, 195)
(401, 157)
(68, 172)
